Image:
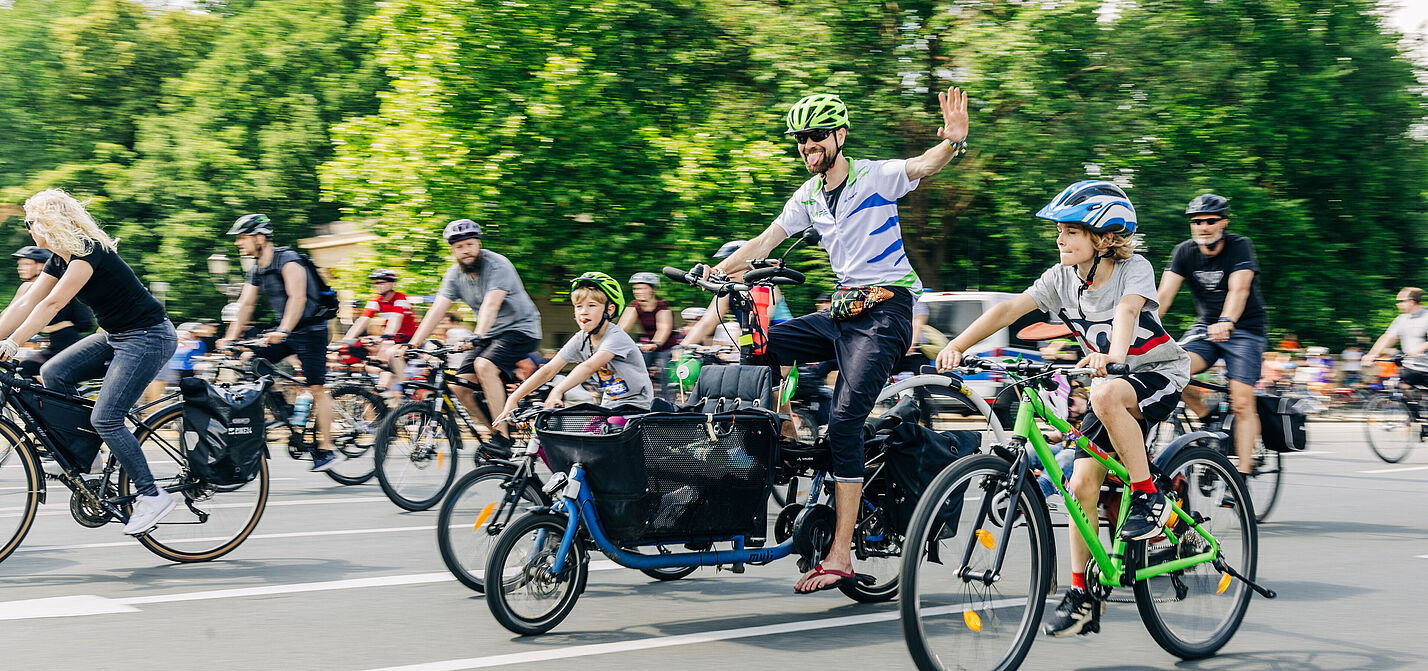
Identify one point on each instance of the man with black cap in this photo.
(1222, 274)
(72, 322)
(282, 277)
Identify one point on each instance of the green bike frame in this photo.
(1112, 563)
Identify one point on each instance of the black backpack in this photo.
(223, 431)
(327, 302)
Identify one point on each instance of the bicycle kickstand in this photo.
(1224, 567)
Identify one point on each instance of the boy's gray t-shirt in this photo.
(1152, 350)
(623, 381)
(518, 312)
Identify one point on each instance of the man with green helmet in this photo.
(853, 206)
(603, 352)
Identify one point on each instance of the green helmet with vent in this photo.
(606, 284)
(821, 110)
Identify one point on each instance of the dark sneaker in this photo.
(1148, 513)
(498, 447)
(1075, 615)
(324, 460)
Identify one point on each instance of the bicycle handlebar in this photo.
(1025, 367)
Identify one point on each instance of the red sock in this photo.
(1147, 485)
(1078, 581)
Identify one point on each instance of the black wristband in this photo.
(1225, 319)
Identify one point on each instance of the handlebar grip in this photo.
(675, 274)
(1118, 369)
(776, 273)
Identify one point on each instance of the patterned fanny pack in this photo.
(849, 302)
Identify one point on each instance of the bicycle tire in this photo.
(465, 544)
(414, 475)
(1203, 478)
(1389, 425)
(922, 597)
(877, 550)
(1264, 483)
(16, 451)
(354, 432)
(519, 570)
(200, 528)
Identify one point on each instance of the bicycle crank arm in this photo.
(1224, 567)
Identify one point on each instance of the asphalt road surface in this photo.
(338, 578)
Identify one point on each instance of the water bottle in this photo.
(301, 408)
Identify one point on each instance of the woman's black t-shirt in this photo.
(119, 301)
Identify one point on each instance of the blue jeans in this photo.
(135, 358)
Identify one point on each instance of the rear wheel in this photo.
(416, 455)
(210, 521)
(1391, 429)
(21, 482)
(958, 610)
(877, 552)
(523, 592)
(1263, 483)
(357, 412)
(1195, 611)
(473, 517)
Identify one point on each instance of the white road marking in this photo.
(89, 604)
(1398, 470)
(294, 534)
(683, 639)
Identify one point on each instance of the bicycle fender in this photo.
(1168, 454)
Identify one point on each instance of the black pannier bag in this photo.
(68, 424)
(223, 434)
(916, 455)
(667, 475)
(1281, 422)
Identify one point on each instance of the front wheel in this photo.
(960, 608)
(21, 482)
(529, 596)
(356, 413)
(416, 455)
(1193, 612)
(481, 505)
(1391, 429)
(210, 520)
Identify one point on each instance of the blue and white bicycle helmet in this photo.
(1096, 204)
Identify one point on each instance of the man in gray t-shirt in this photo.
(1410, 330)
(507, 323)
(1089, 313)
(623, 381)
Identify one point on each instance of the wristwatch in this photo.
(1225, 319)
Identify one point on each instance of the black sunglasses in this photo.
(1206, 221)
(818, 135)
(28, 224)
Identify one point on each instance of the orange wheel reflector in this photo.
(985, 537)
(1224, 584)
(1173, 518)
(440, 459)
(485, 513)
(974, 621)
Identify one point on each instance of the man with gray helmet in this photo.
(1223, 276)
(71, 323)
(507, 323)
(280, 275)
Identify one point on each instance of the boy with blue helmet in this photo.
(1106, 294)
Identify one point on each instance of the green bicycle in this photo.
(974, 596)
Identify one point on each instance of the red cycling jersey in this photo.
(399, 305)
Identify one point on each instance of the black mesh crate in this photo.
(668, 475)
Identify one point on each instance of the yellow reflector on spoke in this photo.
(485, 513)
(440, 459)
(1224, 584)
(985, 538)
(974, 621)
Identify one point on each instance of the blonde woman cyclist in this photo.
(137, 338)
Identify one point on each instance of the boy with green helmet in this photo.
(603, 351)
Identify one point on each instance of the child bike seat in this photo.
(732, 387)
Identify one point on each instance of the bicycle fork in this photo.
(1012, 491)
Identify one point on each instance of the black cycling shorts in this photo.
(311, 350)
(504, 350)
(1157, 397)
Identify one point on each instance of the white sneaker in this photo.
(147, 512)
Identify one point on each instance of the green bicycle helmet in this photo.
(821, 110)
(606, 284)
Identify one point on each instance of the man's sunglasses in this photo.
(818, 135)
(1211, 220)
(28, 224)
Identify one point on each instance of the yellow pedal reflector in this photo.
(485, 513)
(1224, 584)
(974, 621)
(1173, 518)
(985, 537)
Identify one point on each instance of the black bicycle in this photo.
(213, 520)
(1268, 469)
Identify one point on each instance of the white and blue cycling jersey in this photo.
(864, 240)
